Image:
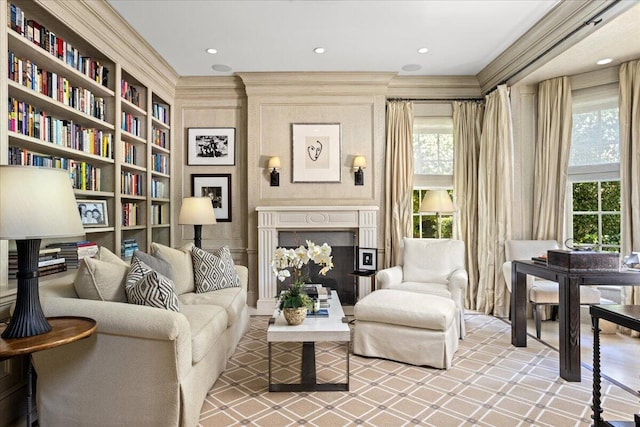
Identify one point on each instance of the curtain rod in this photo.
(435, 99)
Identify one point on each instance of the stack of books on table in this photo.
(75, 252)
(128, 247)
(49, 262)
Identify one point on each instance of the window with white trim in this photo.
(594, 169)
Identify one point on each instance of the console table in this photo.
(64, 330)
(623, 315)
(569, 283)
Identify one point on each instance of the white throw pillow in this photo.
(181, 264)
(213, 271)
(102, 280)
(146, 286)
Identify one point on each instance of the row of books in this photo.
(160, 112)
(130, 93)
(159, 214)
(49, 262)
(131, 124)
(160, 137)
(129, 214)
(129, 153)
(56, 46)
(29, 120)
(28, 74)
(159, 189)
(131, 184)
(160, 163)
(128, 247)
(75, 252)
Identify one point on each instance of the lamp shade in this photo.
(197, 211)
(436, 201)
(274, 163)
(359, 162)
(37, 203)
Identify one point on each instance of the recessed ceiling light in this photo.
(319, 50)
(423, 50)
(604, 61)
(221, 68)
(411, 67)
(212, 51)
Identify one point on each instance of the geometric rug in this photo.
(490, 383)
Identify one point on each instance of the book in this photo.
(323, 312)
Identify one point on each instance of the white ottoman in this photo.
(407, 327)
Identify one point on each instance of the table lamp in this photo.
(35, 203)
(197, 211)
(437, 201)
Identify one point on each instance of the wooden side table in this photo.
(64, 330)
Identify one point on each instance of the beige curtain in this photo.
(552, 158)
(398, 221)
(467, 128)
(630, 166)
(494, 202)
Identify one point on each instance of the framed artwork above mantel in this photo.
(316, 152)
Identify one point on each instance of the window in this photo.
(594, 169)
(432, 164)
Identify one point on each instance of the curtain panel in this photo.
(398, 219)
(495, 189)
(467, 129)
(552, 150)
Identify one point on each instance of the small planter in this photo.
(295, 316)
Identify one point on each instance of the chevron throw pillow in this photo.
(148, 287)
(213, 271)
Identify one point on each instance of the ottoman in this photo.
(407, 327)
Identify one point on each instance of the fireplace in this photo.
(358, 221)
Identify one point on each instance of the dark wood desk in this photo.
(623, 315)
(64, 330)
(569, 283)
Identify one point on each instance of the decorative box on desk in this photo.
(583, 260)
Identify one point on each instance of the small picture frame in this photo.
(316, 152)
(367, 259)
(93, 213)
(218, 188)
(211, 146)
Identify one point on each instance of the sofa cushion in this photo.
(146, 286)
(431, 260)
(181, 264)
(232, 300)
(101, 280)
(158, 264)
(213, 271)
(105, 254)
(207, 324)
(438, 289)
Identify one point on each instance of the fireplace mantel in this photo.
(271, 219)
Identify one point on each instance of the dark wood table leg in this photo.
(569, 335)
(308, 374)
(518, 308)
(597, 410)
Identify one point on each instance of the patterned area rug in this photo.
(491, 383)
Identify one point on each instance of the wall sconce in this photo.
(274, 165)
(359, 163)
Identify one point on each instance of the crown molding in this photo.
(194, 87)
(434, 87)
(567, 16)
(101, 26)
(316, 83)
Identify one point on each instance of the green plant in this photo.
(294, 297)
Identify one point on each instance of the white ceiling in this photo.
(279, 35)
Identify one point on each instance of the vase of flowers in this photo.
(294, 263)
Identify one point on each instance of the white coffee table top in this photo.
(313, 329)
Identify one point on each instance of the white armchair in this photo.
(431, 266)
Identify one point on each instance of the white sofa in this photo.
(431, 266)
(144, 366)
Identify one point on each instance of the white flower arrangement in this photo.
(290, 262)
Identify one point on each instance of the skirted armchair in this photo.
(431, 266)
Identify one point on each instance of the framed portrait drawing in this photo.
(367, 259)
(93, 213)
(212, 146)
(218, 188)
(316, 152)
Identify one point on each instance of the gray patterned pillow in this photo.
(148, 287)
(213, 271)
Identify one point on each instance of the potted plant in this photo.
(294, 302)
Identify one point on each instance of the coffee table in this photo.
(334, 328)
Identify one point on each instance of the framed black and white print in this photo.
(93, 213)
(218, 188)
(316, 152)
(367, 259)
(212, 146)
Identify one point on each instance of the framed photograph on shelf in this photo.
(367, 259)
(218, 188)
(212, 146)
(316, 152)
(93, 213)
